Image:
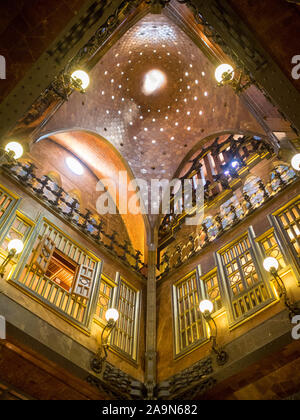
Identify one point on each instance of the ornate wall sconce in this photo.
(97, 362)
(225, 75)
(271, 265)
(206, 308)
(11, 152)
(64, 84)
(15, 247)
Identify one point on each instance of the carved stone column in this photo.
(150, 356)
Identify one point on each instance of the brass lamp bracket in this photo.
(221, 355)
(98, 360)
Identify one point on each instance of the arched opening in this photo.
(102, 164)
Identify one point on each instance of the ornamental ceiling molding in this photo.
(185, 385)
(60, 89)
(77, 31)
(189, 383)
(85, 23)
(117, 384)
(223, 17)
(226, 29)
(157, 5)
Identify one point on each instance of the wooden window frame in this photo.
(133, 356)
(66, 259)
(204, 278)
(26, 239)
(179, 351)
(10, 210)
(23, 273)
(114, 286)
(287, 248)
(249, 293)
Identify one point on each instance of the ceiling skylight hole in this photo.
(75, 166)
(154, 81)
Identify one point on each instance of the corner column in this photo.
(150, 355)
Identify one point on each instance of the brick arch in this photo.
(105, 162)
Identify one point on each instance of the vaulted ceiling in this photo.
(154, 130)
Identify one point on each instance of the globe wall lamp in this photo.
(296, 162)
(15, 247)
(272, 266)
(11, 153)
(225, 75)
(80, 80)
(206, 308)
(97, 362)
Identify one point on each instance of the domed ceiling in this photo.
(153, 96)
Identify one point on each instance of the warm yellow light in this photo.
(222, 71)
(112, 315)
(16, 245)
(271, 264)
(82, 77)
(15, 147)
(206, 306)
(296, 162)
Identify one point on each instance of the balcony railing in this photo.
(214, 227)
(217, 166)
(68, 207)
(73, 307)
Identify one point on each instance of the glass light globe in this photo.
(206, 306)
(221, 70)
(112, 314)
(75, 166)
(17, 245)
(83, 77)
(15, 147)
(271, 264)
(296, 162)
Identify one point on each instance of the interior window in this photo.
(62, 270)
